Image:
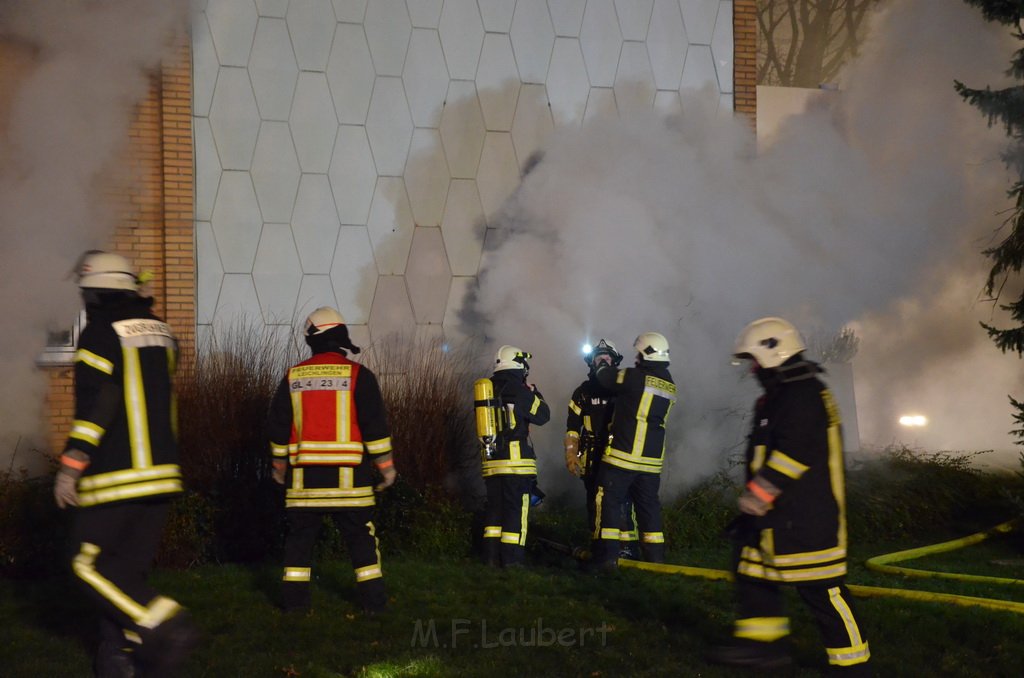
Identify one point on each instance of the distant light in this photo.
(913, 420)
(444, 348)
(587, 348)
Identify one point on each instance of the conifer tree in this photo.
(1006, 107)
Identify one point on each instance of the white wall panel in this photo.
(232, 25)
(424, 13)
(699, 16)
(666, 44)
(311, 24)
(238, 306)
(496, 14)
(275, 172)
(634, 18)
(351, 11)
(350, 74)
(568, 84)
(463, 227)
(313, 122)
(427, 276)
(234, 118)
(390, 226)
(567, 16)
(426, 177)
(389, 126)
(349, 152)
(354, 274)
(462, 35)
(462, 129)
(353, 175)
(497, 82)
(425, 78)
(236, 222)
(272, 69)
(387, 28)
(277, 274)
(315, 223)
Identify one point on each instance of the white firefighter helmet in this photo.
(104, 270)
(323, 319)
(769, 341)
(511, 358)
(652, 347)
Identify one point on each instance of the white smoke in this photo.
(680, 227)
(74, 70)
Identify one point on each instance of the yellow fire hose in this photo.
(880, 564)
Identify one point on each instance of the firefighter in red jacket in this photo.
(587, 432)
(120, 469)
(328, 433)
(792, 529)
(509, 465)
(631, 464)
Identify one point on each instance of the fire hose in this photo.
(882, 563)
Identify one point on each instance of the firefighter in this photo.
(587, 429)
(509, 464)
(120, 471)
(328, 434)
(630, 468)
(792, 525)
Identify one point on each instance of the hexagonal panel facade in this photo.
(349, 152)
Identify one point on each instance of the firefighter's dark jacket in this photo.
(124, 404)
(521, 406)
(328, 420)
(645, 395)
(589, 419)
(796, 445)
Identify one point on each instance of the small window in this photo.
(62, 343)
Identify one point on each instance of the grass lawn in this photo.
(453, 617)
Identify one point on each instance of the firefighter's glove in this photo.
(65, 488)
(757, 499)
(278, 468)
(388, 472)
(572, 449)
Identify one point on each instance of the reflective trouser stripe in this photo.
(763, 629)
(159, 609)
(611, 533)
(653, 537)
(296, 574)
(857, 652)
(510, 538)
(367, 573)
(492, 532)
(598, 498)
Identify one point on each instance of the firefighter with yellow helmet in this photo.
(328, 437)
(506, 406)
(632, 461)
(120, 469)
(792, 525)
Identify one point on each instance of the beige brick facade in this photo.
(155, 227)
(744, 73)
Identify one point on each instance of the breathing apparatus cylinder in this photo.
(487, 416)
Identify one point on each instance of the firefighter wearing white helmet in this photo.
(632, 461)
(120, 469)
(328, 436)
(509, 465)
(792, 524)
(587, 433)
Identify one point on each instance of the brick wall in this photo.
(744, 73)
(155, 228)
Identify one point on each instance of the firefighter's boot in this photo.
(166, 648)
(751, 655)
(113, 661)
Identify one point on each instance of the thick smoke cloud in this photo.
(75, 70)
(680, 227)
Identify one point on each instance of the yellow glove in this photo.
(572, 459)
